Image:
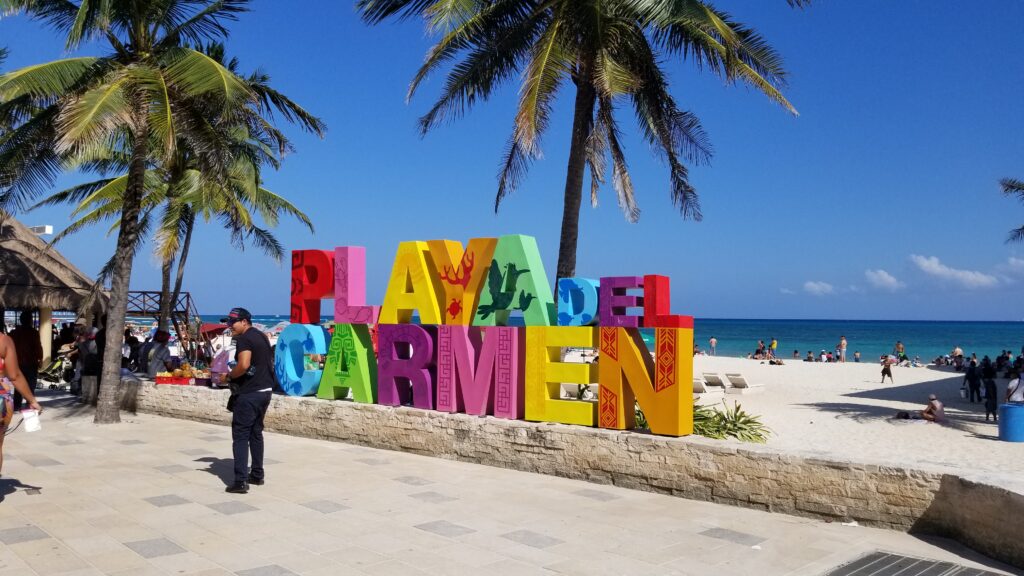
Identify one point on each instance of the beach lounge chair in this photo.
(715, 380)
(701, 388)
(741, 386)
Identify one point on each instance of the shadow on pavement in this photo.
(223, 468)
(12, 485)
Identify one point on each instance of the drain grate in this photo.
(885, 564)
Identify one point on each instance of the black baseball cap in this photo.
(237, 314)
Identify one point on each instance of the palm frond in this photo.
(621, 180)
(206, 24)
(48, 80)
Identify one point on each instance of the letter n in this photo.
(661, 387)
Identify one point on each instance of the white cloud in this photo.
(855, 289)
(1015, 265)
(883, 280)
(786, 291)
(966, 278)
(818, 288)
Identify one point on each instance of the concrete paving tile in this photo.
(509, 567)
(302, 563)
(325, 506)
(22, 534)
(356, 556)
(599, 495)
(530, 538)
(147, 570)
(154, 548)
(393, 568)
(173, 469)
(116, 561)
(234, 507)
(413, 480)
(166, 500)
(733, 536)
(269, 570)
(432, 497)
(445, 528)
(41, 461)
(132, 442)
(48, 556)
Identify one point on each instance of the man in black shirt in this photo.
(252, 382)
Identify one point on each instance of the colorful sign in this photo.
(464, 357)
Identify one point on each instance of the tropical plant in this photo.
(178, 191)
(141, 96)
(1014, 187)
(720, 424)
(610, 50)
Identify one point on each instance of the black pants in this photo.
(247, 433)
(975, 388)
(32, 377)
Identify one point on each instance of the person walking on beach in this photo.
(991, 401)
(713, 345)
(842, 348)
(11, 379)
(252, 382)
(30, 354)
(887, 362)
(773, 347)
(973, 380)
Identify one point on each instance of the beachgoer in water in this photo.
(856, 356)
(887, 362)
(713, 346)
(934, 411)
(842, 348)
(771, 348)
(796, 354)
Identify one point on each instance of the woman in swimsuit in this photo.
(11, 378)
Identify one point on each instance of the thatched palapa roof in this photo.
(35, 275)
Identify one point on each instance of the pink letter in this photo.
(478, 370)
(350, 287)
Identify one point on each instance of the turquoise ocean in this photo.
(927, 339)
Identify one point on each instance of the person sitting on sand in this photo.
(934, 411)
(1015, 389)
(810, 357)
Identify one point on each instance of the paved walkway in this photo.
(146, 497)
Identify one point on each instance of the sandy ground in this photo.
(841, 410)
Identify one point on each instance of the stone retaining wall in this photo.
(759, 477)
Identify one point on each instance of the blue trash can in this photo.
(1011, 422)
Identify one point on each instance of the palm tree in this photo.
(141, 96)
(610, 50)
(179, 186)
(1014, 187)
(174, 198)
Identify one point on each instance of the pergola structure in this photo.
(34, 275)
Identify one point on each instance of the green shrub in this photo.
(720, 424)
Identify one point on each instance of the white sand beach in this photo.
(842, 411)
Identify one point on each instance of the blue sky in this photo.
(880, 201)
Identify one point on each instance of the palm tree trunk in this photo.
(582, 125)
(108, 408)
(183, 257)
(164, 319)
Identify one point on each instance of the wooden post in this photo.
(46, 334)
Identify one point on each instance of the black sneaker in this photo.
(238, 488)
(256, 481)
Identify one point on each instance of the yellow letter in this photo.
(545, 374)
